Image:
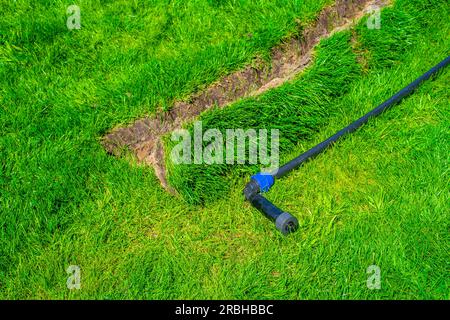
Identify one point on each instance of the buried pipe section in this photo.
(262, 182)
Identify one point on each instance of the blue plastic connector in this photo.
(264, 180)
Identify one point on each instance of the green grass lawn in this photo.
(379, 197)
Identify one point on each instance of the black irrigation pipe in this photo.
(262, 182)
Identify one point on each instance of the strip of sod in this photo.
(301, 107)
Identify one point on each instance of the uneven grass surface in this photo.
(300, 108)
(297, 110)
(378, 197)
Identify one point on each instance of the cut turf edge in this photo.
(301, 107)
(143, 138)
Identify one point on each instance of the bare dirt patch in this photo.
(143, 137)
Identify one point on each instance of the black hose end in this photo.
(286, 223)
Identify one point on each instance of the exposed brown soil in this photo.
(143, 137)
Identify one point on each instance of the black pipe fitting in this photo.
(284, 221)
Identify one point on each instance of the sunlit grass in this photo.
(378, 197)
